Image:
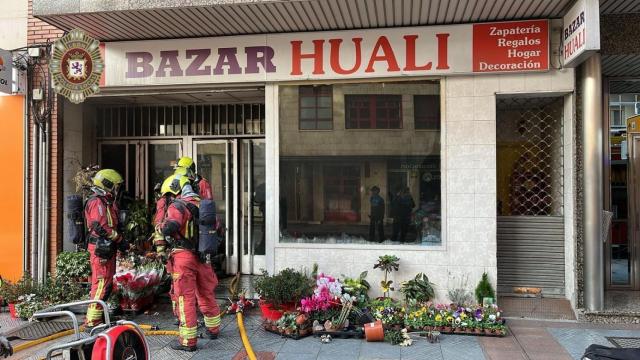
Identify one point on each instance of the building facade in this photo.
(471, 135)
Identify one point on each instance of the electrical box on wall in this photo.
(37, 94)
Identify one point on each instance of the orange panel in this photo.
(11, 205)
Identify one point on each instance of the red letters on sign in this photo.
(387, 55)
(410, 44)
(335, 56)
(297, 56)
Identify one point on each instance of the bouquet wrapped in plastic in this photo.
(137, 280)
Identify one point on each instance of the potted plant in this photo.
(73, 266)
(357, 287)
(485, 290)
(387, 263)
(281, 291)
(8, 292)
(419, 289)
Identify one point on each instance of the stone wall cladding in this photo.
(40, 32)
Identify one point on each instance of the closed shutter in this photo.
(531, 253)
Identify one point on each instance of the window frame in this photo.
(316, 93)
(436, 119)
(373, 111)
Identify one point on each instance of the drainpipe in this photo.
(35, 197)
(25, 185)
(593, 183)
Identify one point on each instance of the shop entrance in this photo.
(530, 191)
(222, 131)
(236, 170)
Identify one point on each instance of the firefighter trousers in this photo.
(194, 283)
(102, 272)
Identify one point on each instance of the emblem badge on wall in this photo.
(76, 66)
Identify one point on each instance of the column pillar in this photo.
(593, 183)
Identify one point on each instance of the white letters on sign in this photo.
(581, 32)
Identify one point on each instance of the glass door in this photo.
(214, 161)
(160, 157)
(253, 206)
(623, 254)
(142, 164)
(125, 157)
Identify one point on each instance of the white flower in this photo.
(492, 317)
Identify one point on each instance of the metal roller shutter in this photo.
(531, 253)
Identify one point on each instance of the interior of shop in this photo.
(360, 163)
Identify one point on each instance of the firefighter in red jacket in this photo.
(101, 216)
(187, 167)
(193, 280)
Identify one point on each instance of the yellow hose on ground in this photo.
(30, 344)
(245, 340)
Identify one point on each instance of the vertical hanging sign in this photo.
(580, 32)
(6, 72)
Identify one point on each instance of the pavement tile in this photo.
(293, 356)
(217, 355)
(575, 341)
(379, 350)
(460, 347)
(507, 355)
(307, 345)
(421, 350)
(167, 353)
(341, 348)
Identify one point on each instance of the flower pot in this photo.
(374, 331)
(488, 331)
(446, 329)
(12, 311)
(269, 312)
(305, 332)
(274, 328)
(477, 331)
(288, 331)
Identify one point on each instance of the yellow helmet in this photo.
(107, 179)
(174, 184)
(186, 162)
(181, 171)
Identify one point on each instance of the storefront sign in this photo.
(76, 66)
(581, 32)
(416, 51)
(6, 72)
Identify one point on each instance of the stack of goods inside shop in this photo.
(296, 304)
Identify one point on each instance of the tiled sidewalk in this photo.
(535, 340)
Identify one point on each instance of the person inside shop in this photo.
(5, 347)
(186, 166)
(402, 206)
(193, 279)
(376, 215)
(101, 219)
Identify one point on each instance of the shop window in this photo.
(426, 112)
(353, 187)
(315, 107)
(373, 111)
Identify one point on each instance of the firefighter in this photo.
(186, 166)
(5, 347)
(193, 280)
(101, 217)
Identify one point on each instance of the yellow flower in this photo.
(438, 317)
(463, 316)
(449, 318)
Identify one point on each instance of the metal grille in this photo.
(530, 145)
(180, 120)
(40, 329)
(625, 342)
